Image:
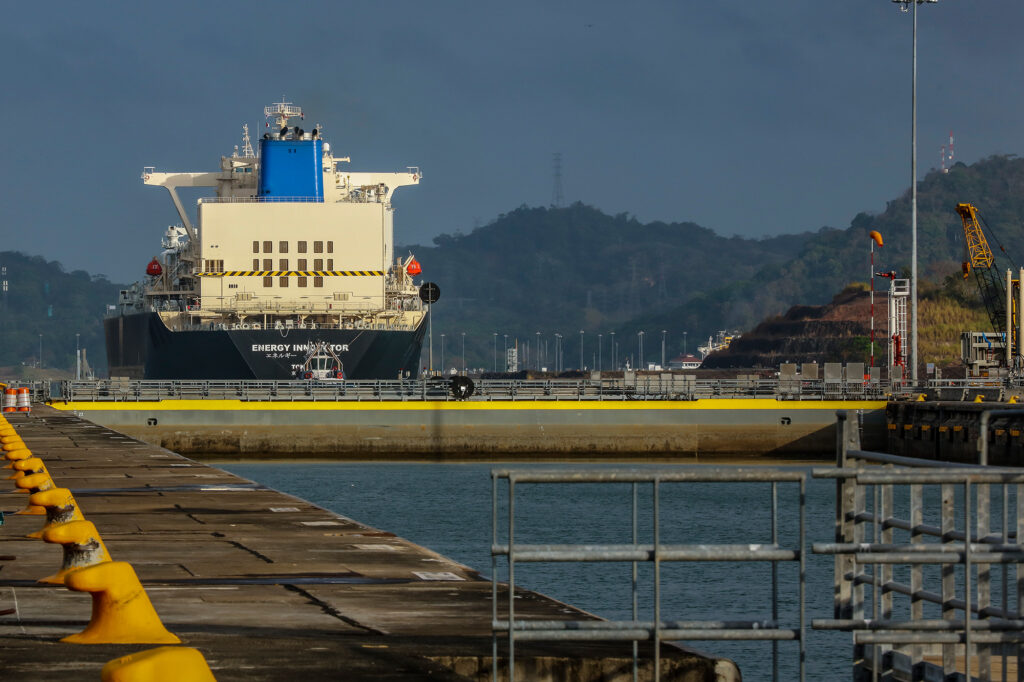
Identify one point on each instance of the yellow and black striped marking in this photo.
(293, 273)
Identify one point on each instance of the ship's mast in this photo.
(281, 112)
(247, 152)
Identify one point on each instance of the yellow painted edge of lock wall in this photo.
(469, 405)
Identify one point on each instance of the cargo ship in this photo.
(293, 252)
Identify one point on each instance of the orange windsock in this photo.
(876, 236)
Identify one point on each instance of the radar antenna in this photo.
(247, 151)
(281, 112)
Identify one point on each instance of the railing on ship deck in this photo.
(638, 388)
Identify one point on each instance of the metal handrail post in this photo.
(511, 582)
(657, 583)
(803, 578)
(775, 579)
(636, 596)
(948, 573)
(494, 578)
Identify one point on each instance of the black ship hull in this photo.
(140, 346)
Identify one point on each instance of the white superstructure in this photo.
(277, 261)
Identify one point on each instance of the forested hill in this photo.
(568, 269)
(43, 299)
(833, 258)
(563, 270)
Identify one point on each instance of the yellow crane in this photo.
(991, 284)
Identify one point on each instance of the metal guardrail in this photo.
(642, 387)
(873, 545)
(655, 629)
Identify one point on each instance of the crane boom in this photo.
(991, 284)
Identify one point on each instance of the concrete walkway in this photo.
(267, 586)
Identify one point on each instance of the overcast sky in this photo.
(749, 118)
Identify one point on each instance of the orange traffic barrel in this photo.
(23, 402)
(10, 396)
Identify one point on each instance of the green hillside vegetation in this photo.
(833, 257)
(943, 313)
(44, 299)
(562, 270)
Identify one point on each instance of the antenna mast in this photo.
(247, 152)
(556, 192)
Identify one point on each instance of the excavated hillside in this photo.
(836, 332)
(840, 331)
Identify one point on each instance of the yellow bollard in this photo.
(1012, 400)
(978, 399)
(920, 398)
(15, 455)
(29, 465)
(121, 610)
(60, 508)
(163, 664)
(83, 547)
(34, 483)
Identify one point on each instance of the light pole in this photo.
(581, 350)
(463, 353)
(615, 358)
(876, 238)
(913, 188)
(504, 349)
(663, 332)
(442, 354)
(600, 352)
(640, 350)
(558, 352)
(78, 360)
(40, 351)
(684, 343)
(495, 368)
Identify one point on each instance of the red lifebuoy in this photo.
(339, 375)
(308, 375)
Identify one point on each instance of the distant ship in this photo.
(293, 254)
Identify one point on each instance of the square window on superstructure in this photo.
(330, 263)
(268, 281)
(301, 281)
(303, 264)
(302, 247)
(330, 247)
(283, 263)
(268, 247)
(268, 263)
(282, 247)
(255, 247)
(255, 263)
(318, 247)
(284, 281)
(318, 281)
(318, 264)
